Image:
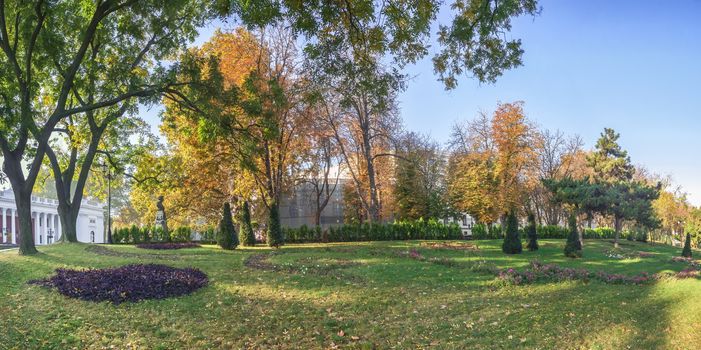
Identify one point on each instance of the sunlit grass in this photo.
(367, 297)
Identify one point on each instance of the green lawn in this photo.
(356, 295)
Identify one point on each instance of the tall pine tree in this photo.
(512, 241)
(532, 233)
(226, 236)
(246, 236)
(573, 247)
(275, 238)
(686, 252)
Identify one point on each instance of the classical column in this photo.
(37, 228)
(6, 233)
(59, 233)
(48, 227)
(13, 226)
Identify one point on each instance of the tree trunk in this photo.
(69, 219)
(617, 227)
(26, 235)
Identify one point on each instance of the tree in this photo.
(473, 43)
(532, 233)
(226, 236)
(274, 237)
(573, 246)
(494, 157)
(616, 193)
(512, 241)
(419, 179)
(48, 60)
(247, 238)
(686, 252)
(556, 159)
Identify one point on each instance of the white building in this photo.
(46, 225)
(465, 221)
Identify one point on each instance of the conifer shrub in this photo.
(686, 252)
(246, 235)
(532, 233)
(512, 241)
(573, 247)
(226, 237)
(274, 237)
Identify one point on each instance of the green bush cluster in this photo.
(573, 247)
(398, 230)
(482, 231)
(135, 234)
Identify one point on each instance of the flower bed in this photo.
(127, 283)
(165, 246)
(538, 271)
(450, 245)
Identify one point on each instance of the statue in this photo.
(161, 215)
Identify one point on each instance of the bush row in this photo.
(135, 234)
(399, 230)
(481, 231)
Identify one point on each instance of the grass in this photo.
(357, 296)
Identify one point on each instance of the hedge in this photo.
(399, 230)
(135, 234)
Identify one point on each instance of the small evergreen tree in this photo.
(573, 247)
(686, 252)
(532, 233)
(512, 241)
(226, 237)
(246, 236)
(275, 238)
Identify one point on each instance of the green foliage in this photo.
(512, 240)
(531, 233)
(398, 230)
(686, 252)
(246, 235)
(611, 164)
(226, 236)
(573, 247)
(208, 234)
(181, 234)
(274, 235)
(482, 231)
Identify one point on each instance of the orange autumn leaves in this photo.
(491, 174)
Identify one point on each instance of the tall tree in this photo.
(47, 60)
(419, 178)
(494, 158)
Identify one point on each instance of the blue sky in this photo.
(629, 65)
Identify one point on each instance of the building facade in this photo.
(46, 225)
(298, 207)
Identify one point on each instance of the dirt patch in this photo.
(304, 266)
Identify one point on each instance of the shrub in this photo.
(167, 245)
(274, 237)
(226, 237)
(181, 234)
(531, 233)
(246, 235)
(208, 234)
(686, 252)
(573, 247)
(126, 283)
(135, 234)
(512, 241)
(398, 230)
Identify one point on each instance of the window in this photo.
(92, 236)
(92, 220)
(464, 220)
(40, 239)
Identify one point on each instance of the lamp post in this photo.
(109, 202)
